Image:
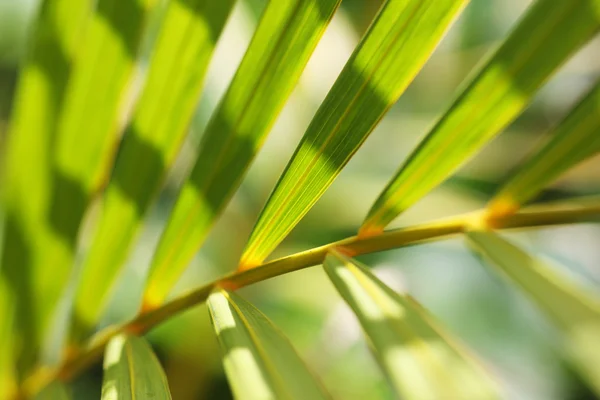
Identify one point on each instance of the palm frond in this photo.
(178, 64)
(499, 91)
(132, 371)
(259, 360)
(372, 80)
(282, 44)
(572, 308)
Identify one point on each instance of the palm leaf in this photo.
(285, 38)
(87, 127)
(177, 67)
(546, 36)
(27, 189)
(54, 391)
(418, 357)
(574, 311)
(391, 53)
(576, 138)
(259, 361)
(7, 342)
(132, 371)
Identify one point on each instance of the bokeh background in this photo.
(515, 342)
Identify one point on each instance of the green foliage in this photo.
(575, 139)
(29, 236)
(396, 46)
(407, 342)
(54, 391)
(159, 123)
(132, 371)
(74, 99)
(284, 39)
(544, 39)
(574, 311)
(259, 360)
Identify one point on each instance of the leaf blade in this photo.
(370, 83)
(132, 371)
(259, 361)
(54, 391)
(575, 139)
(409, 345)
(8, 381)
(538, 45)
(185, 44)
(27, 189)
(284, 40)
(574, 311)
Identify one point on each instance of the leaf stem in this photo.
(582, 210)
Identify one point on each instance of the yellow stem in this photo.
(554, 214)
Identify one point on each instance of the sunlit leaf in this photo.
(7, 343)
(132, 371)
(546, 36)
(159, 123)
(574, 310)
(285, 38)
(393, 50)
(576, 138)
(27, 187)
(86, 133)
(87, 128)
(259, 361)
(421, 361)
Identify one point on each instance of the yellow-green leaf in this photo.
(7, 342)
(259, 361)
(576, 138)
(54, 391)
(132, 371)
(573, 309)
(86, 133)
(420, 359)
(178, 64)
(390, 54)
(284, 40)
(27, 187)
(546, 36)
(87, 128)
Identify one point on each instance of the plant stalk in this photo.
(76, 361)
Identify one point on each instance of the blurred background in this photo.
(514, 341)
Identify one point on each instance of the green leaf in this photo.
(259, 361)
(132, 371)
(547, 35)
(159, 123)
(54, 391)
(576, 138)
(86, 133)
(421, 361)
(573, 310)
(7, 342)
(27, 187)
(87, 128)
(286, 36)
(389, 56)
